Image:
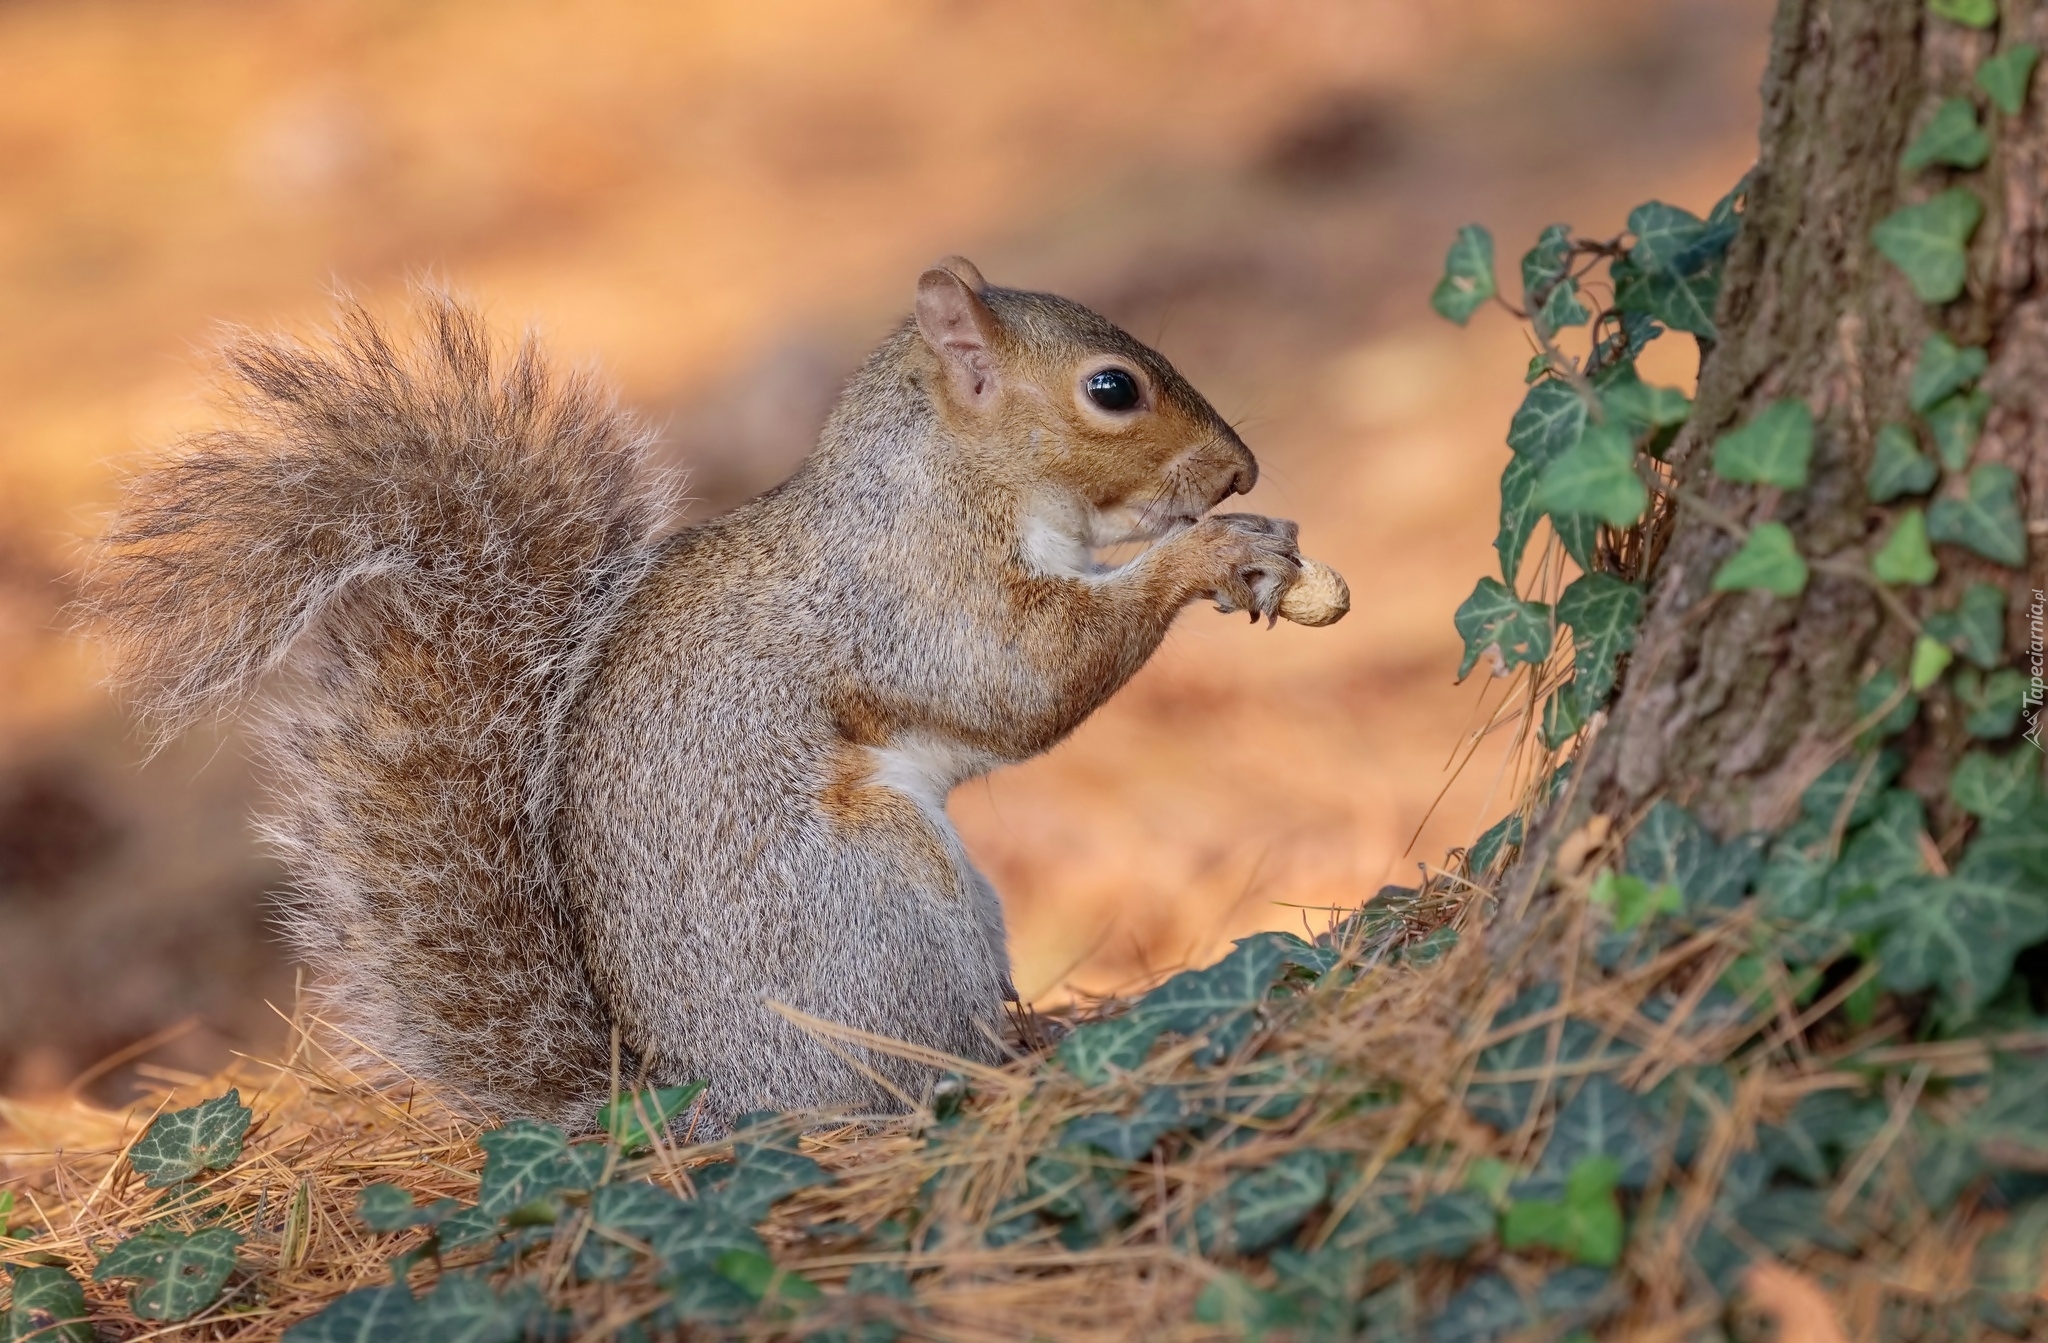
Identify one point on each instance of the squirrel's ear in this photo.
(959, 326)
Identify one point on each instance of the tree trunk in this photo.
(1734, 702)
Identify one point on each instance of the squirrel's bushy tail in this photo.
(417, 548)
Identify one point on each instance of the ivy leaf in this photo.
(760, 1278)
(1944, 368)
(1926, 242)
(1578, 532)
(48, 1306)
(1670, 848)
(1930, 659)
(1957, 422)
(2006, 76)
(1092, 1051)
(1249, 1312)
(1996, 788)
(1444, 1227)
(1976, 627)
(1256, 1209)
(1987, 521)
(1952, 137)
(1885, 688)
(184, 1144)
(1633, 900)
(1127, 1137)
(1549, 420)
(1603, 613)
(624, 1210)
(1603, 1120)
(1992, 703)
(1883, 854)
(1905, 557)
(689, 1242)
(1585, 1225)
(366, 1315)
(1681, 302)
(1767, 561)
(1563, 716)
(1673, 241)
(1505, 1103)
(1899, 467)
(626, 1120)
(1639, 406)
(1969, 13)
(1493, 617)
(1596, 476)
(386, 1207)
(1828, 800)
(1956, 934)
(464, 1308)
(1772, 449)
(1088, 1199)
(1468, 276)
(763, 1177)
(523, 1161)
(1547, 292)
(176, 1276)
(1518, 514)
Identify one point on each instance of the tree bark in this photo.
(1734, 702)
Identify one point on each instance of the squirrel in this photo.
(567, 792)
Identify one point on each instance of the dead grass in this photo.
(1381, 1060)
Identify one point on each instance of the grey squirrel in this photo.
(548, 772)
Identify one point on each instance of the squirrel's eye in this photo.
(1113, 389)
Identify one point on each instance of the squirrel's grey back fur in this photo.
(427, 543)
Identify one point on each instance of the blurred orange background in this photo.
(723, 205)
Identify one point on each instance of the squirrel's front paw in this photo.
(1254, 560)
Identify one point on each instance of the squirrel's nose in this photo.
(1246, 477)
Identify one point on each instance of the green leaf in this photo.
(366, 1315)
(1603, 1120)
(1681, 302)
(1952, 137)
(184, 1144)
(1976, 627)
(1249, 1312)
(1986, 521)
(386, 1207)
(1603, 614)
(2006, 77)
(763, 1177)
(1493, 617)
(1956, 934)
(626, 1210)
(689, 1242)
(1957, 422)
(1092, 1052)
(1884, 854)
(758, 1276)
(1468, 276)
(1930, 659)
(524, 1161)
(48, 1306)
(1586, 1225)
(1518, 514)
(1550, 296)
(1638, 406)
(626, 1120)
(176, 1276)
(1444, 1227)
(1996, 788)
(1257, 1208)
(1633, 900)
(1674, 241)
(1992, 703)
(1128, 1137)
(1898, 466)
(1766, 562)
(1563, 717)
(1087, 1198)
(1578, 533)
(464, 1308)
(1969, 13)
(1926, 242)
(1944, 368)
(1549, 420)
(1772, 449)
(1886, 688)
(1596, 476)
(1905, 556)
